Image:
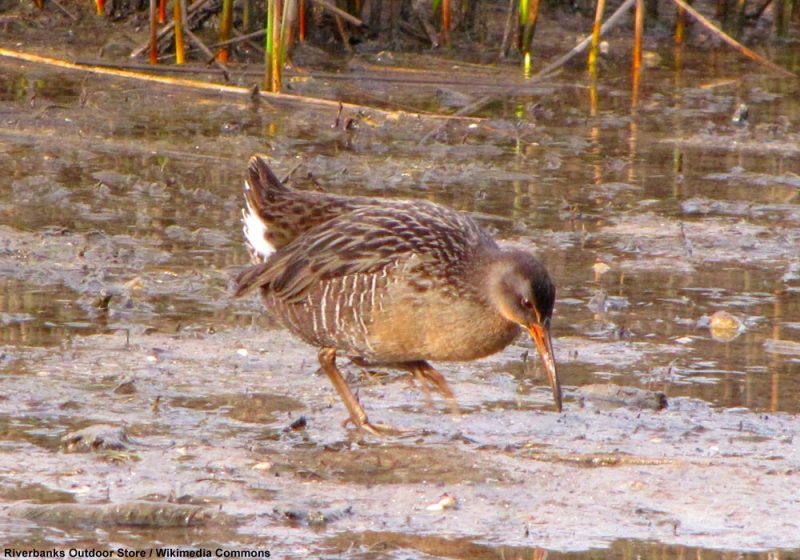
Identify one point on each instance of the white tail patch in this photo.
(255, 230)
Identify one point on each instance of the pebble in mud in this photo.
(311, 518)
(447, 501)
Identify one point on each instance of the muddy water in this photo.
(130, 376)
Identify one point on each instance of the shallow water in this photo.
(119, 216)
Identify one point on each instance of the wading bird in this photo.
(391, 282)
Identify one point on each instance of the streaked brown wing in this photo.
(365, 241)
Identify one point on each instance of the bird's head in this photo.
(521, 290)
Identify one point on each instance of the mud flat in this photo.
(208, 421)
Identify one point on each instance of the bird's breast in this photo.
(434, 326)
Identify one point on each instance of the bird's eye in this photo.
(526, 303)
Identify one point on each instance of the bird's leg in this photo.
(367, 369)
(423, 372)
(417, 375)
(327, 360)
(426, 374)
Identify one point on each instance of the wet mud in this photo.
(140, 405)
(519, 475)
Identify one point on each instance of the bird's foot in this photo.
(375, 429)
(454, 409)
(432, 377)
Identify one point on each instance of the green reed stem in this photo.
(269, 46)
(782, 12)
(528, 14)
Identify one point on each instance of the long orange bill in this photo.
(541, 336)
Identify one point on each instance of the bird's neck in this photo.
(490, 271)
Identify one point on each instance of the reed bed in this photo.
(445, 24)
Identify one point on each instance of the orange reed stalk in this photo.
(180, 51)
(276, 42)
(598, 21)
(680, 25)
(153, 32)
(301, 31)
(637, 49)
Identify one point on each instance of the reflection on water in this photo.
(40, 315)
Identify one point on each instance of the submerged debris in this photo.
(787, 347)
(609, 395)
(126, 387)
(99, 437)
(312, 518)
(741, 115)
(298, 425)
(724, 326)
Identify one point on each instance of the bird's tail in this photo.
(262, 191)
(275, 214)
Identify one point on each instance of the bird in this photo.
(389, 282)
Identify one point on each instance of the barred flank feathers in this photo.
(335, 257)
